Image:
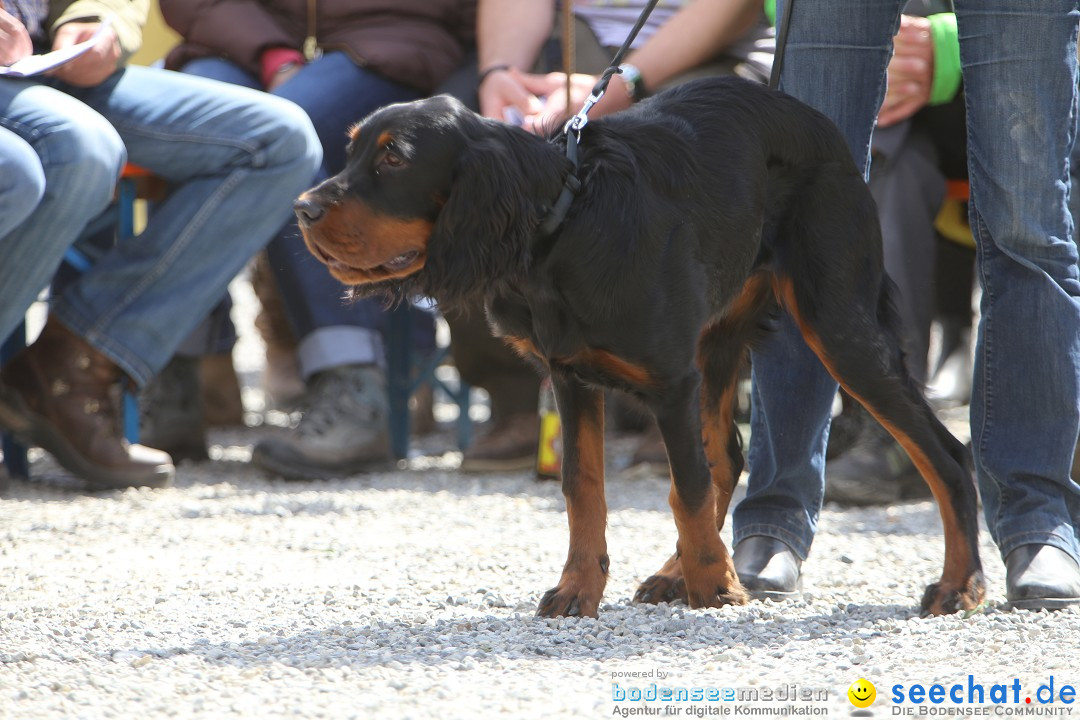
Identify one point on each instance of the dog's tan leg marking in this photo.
(585, 574)
(707, 570)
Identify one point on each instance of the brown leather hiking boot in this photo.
(509, 445)
(63, 396)
(651, 452)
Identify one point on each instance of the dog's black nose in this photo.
(308, 212)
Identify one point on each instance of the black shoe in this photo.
(768, 568)
(874, 471)
(1041, 577)
(171, 411)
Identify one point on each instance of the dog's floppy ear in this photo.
(504, 183)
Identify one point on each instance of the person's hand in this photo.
(910, 73)
(96, 64)
(503, 95)
(552, 87)
(15, 43)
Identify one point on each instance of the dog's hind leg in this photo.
(851, 326)
(721, 348)
(583, 578)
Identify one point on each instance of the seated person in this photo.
(363, 56)
(237, 159)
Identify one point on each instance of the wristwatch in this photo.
(632, 77)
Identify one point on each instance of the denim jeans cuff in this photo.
(85, 327)
(798, 540)
(331, 347)
(1061, 541)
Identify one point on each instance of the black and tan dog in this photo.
(701, 210)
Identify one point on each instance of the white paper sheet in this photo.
(38, 64)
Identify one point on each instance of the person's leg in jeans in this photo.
(58, 166)
(835, 60)
(236, 159)
(344, 427)
(1025, 407)
(66, 159)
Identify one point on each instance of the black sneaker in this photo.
(171, 411)
(846, 428)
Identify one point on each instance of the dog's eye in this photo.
(390, 159)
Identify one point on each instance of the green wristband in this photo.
(947, 74)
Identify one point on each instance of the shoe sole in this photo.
(31, 429)
(292, 470)
(1042, 604)
(759, 594)
(774, 594)
(484, 465)
(652, 467)
(179, 452)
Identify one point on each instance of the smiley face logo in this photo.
(862, 693)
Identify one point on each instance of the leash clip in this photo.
(580, 120)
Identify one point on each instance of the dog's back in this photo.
(733, 168)
(721, 116)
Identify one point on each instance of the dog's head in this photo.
(433, 200)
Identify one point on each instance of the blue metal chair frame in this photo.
(403, 379)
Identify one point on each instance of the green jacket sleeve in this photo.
(128, 18)
(946, 81)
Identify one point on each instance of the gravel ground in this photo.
(411, 595)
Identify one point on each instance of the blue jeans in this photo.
(335, 93)
(1019, 62)
(235, 158)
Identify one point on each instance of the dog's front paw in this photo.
(714, 585)
(718, 597)
(562, 601)
(661, 588)
(667, 585)
(579, 590)
(942, 599)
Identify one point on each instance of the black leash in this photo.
(781, 43)
(574, 126)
